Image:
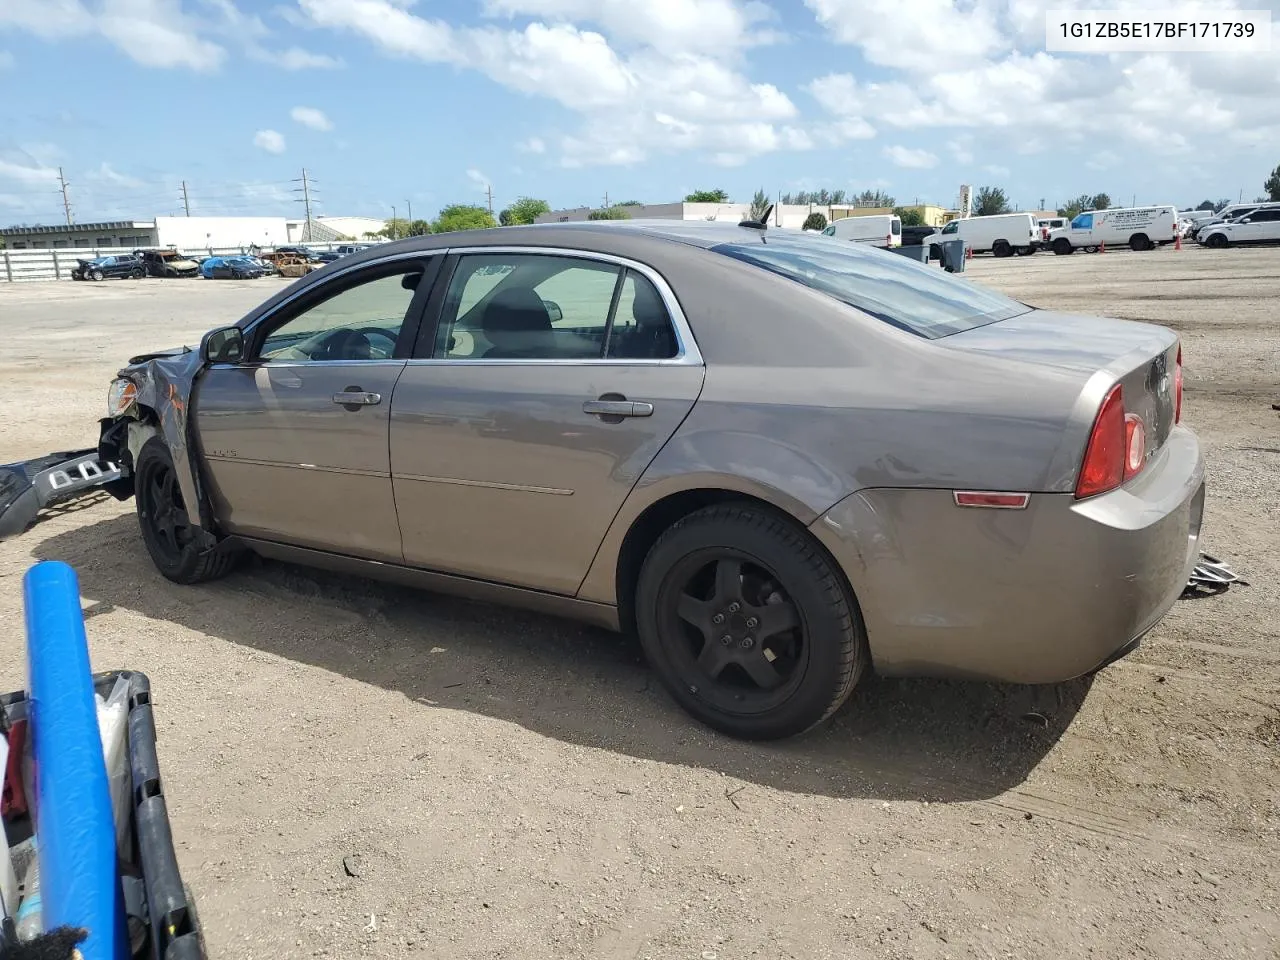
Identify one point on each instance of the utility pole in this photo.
(186, 201)
(606, 199)
(410, 205)
(488, 189)
(393, 221)
(305, 190)
(66, 201)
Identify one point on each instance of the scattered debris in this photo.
(1210, 878)
(730, 795)
(353, 865)
(372, 925)
(1211, 574)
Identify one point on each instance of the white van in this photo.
(1003, 234)
(1138, 228)
(1050, 223)
(884, 230)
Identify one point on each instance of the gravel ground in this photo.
(358, 770)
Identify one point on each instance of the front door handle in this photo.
(354, 397)
(618, 408)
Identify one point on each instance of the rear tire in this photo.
(1216, 241)
(1026, 251)
(1062, 247)
(1001, 248)
(793, 645)
(1140, 241)
(165, 523)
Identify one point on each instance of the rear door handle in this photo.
(357, 398)
(618, 408)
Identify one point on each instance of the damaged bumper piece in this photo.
(28, 487)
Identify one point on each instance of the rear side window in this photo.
(895, 227)
(910, 296)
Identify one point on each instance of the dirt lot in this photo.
(509, 785)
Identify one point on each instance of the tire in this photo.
(1140, 241)
(1216, 241)
(97, 275)
(1090, 249)
(1001, 248)
(1062, 247)
(163, 519)
(734, 561)
(136, 274)
(1026, 251)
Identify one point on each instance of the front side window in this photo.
(361, 322)
(952, 227)
(910, 296)
(1083, 221)
(829, 232)
(538, 307)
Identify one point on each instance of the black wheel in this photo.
(1026, 251)
(1216, 241)
(1140, 241)
(165, 523)
(1001, 248)
(748, 624)
(1062, 246)
(97, 275)
(136, 274)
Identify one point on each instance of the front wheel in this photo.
(165, 523)
(136, 274)
(1216, 241)
(1062, 247)
(97, 275)
(1026, 251)
(748, 624)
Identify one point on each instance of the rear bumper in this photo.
(1039, 595)
(28, 487)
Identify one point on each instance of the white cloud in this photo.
(911, 158)
(295, 58)
(532, 145)
(961, 149)
(478, 178)
(28, 173)
(920, 35)
(269, 140)
(156, 33)
(7, 61)
(686, 94)
(106, 174)
(996, 170)
(311, 117)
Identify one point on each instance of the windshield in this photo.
(910, 296)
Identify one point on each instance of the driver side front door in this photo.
(295, 439)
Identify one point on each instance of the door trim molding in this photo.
(491, 484)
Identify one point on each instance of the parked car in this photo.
(1138, 228)
(298, 250)
(915, 236)
(232, 268)
(328, 256)
(346, 249)
(1258, 227)
(1235, 211)
(109, 268)
(168, 263)
(878, 230)
(922, 476)
(1002, 234)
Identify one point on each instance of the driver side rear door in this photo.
(294, 439)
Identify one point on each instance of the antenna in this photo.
(66, 200)
(305, 200)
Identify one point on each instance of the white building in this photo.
(788, 216)
(190, 233)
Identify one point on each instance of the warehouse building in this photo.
(189, 233)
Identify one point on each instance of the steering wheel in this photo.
(356, 344)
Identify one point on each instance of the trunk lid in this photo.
(1142, 357)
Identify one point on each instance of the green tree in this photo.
(707, 196)
(1100, 201)
(910, 216)
(823, 197)
(396, 228)
(418, 228)
(815, 221)
(1272, 184)
(523, 211)
(990, 201)
(759, 205)
(874, 198)
(1206, 205)
(462, 216)
(630, 203)
(615, 211)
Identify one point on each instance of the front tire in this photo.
(1026, 251)
(97, 275)
(1216, 241)
(166, 526)
(1062, 247)
(748, 624)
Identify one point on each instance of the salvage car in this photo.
(107, 268)
(168, 263)
(232, 268)
(781, 461)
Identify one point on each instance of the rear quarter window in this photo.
(922, 300)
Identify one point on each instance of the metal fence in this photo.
(20, 265)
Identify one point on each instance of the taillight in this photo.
(1177, 387)
(1103, 468)
(1135, 444)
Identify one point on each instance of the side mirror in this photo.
(1246, 220)
(222, 346)
(553, 309)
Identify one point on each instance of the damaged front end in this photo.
(150, 397)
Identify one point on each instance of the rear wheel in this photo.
(1062, 246)
(1026, 251)
(1001, 248)
(748, 624)
(1140, 241)
(165, 523)
(1216, 241)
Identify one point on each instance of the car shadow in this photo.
(937, 741)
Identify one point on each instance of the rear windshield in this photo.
(924, 300)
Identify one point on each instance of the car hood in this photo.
(182, 264)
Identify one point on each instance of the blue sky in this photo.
(431, 101)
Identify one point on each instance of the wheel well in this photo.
(656, 520)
